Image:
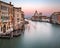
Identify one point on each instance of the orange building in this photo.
(59, 19)
(55, 17)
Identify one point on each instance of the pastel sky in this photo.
(44, 6)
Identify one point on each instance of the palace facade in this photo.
(10, 17)
(18, 18)
(6, 14)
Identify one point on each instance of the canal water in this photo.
(36, 35)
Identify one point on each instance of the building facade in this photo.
(6, 14)
(18, 18)
(55, 17)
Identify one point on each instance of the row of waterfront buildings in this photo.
(54, 18)
(11, 18)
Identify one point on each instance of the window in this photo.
(17, 15)
(22, 15)
(5, 13)
(17, 10)
(18, 19)
(4, 8)
(4, 17)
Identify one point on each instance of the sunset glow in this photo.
(44, 6)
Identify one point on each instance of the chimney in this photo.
(20, 8)
(10, 3)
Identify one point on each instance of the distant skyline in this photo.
(29, 6)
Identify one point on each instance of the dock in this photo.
(12, 34)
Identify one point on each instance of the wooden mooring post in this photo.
(11, 35)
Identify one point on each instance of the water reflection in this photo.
(40, 34)
(36, 35)
(40, 31)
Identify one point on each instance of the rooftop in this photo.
(6, 3)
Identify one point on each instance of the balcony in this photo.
(5, 20)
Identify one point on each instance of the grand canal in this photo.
(36, 35)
